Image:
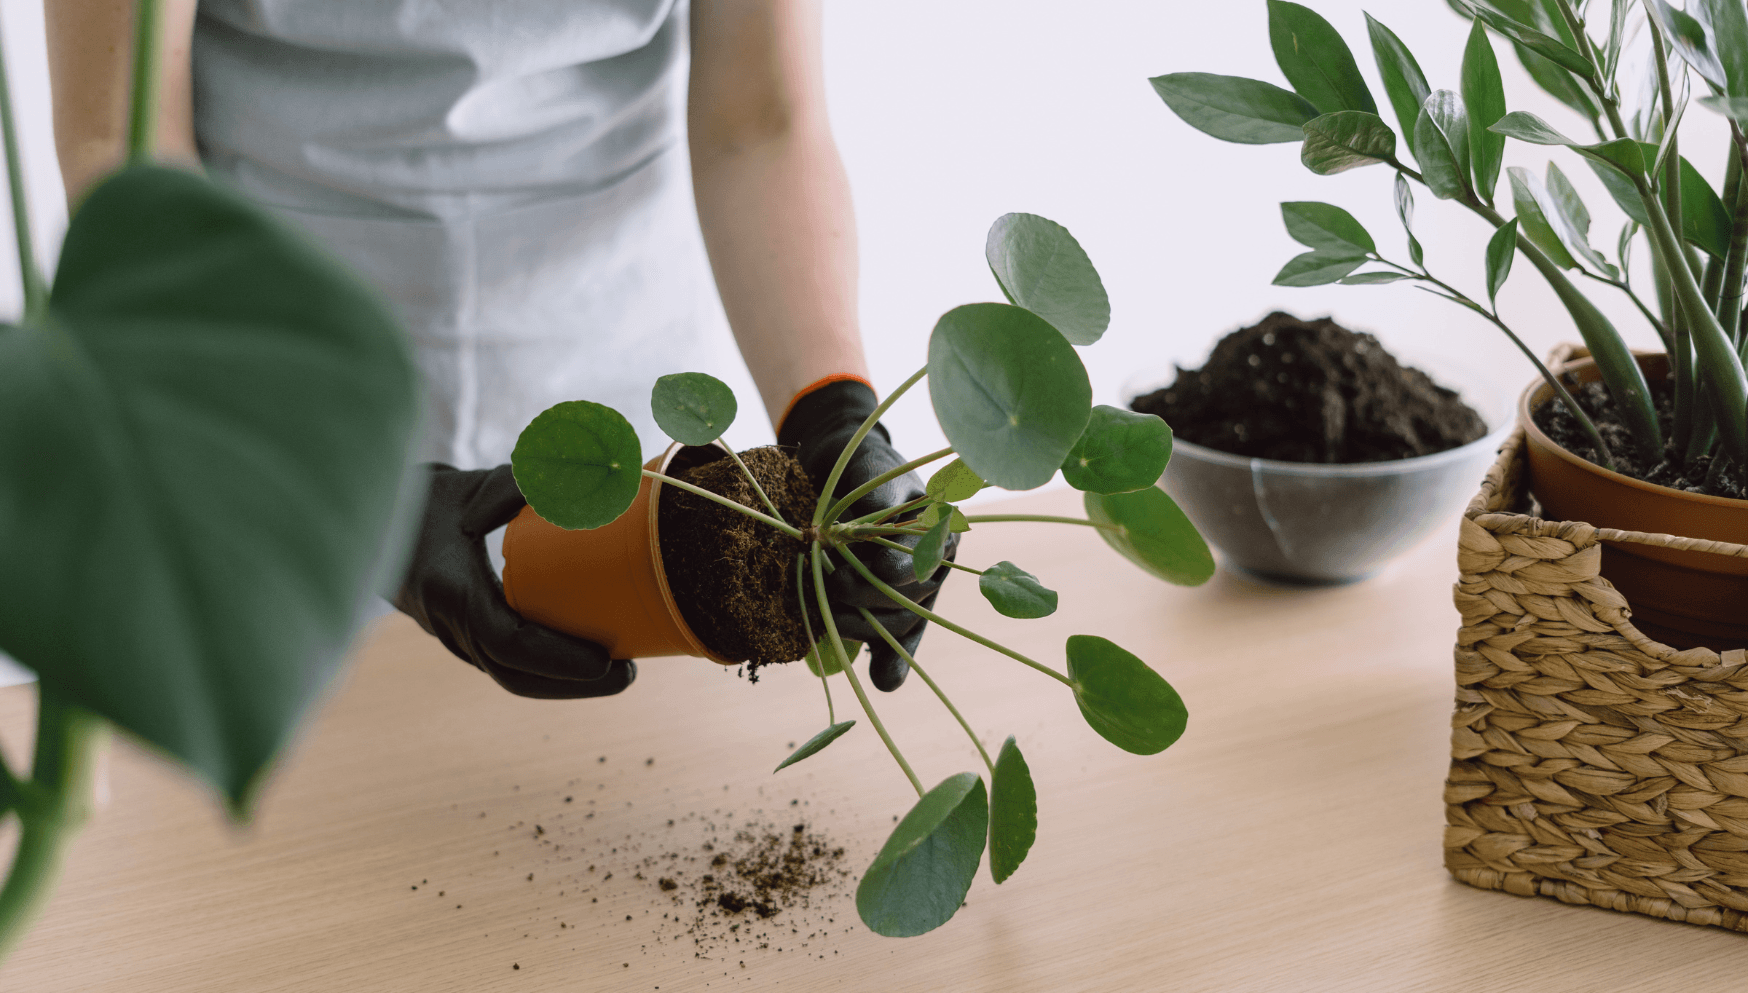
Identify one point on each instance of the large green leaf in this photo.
(1447, 111)
(1573, 219)
(1127, 703)
(1527, 196)
(1554, 49)
(1150, 530)
(1009, 392)
(1688, 37)
(1042, 268)
(1013, 812)
(1326, 228)
(1316, 269)
(924, 870)
(1443, 174)
(1119, 451)
(1346, 139)
(1484, 100)
(1315, 60)
(1233, 108)
(1404, 83)
(1016, 593)
(1729, 25)
(692, 408)
(579, 463)
(1704, 221)
(815, 743)
(202, 448)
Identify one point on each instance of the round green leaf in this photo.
(204, 471)
(1150, 530)
(1042, 268)
(852, 648)
(930, 548)
(954, 482)
(1127, 703)
(815, 743)
(579, 464)
(1009, 392)
(1015, 592)
(1119, 451)
(1013, 812)
(924, 870)
(1233, 108)
(692, 408)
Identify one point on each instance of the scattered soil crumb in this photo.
(1311, 391)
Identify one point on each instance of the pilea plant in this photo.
(1698, 241)
(205, 432)
(1013, 399)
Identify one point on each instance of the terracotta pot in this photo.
(605, 584)
(1685, 599)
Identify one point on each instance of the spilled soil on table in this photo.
(734, 577)
(1311, 391)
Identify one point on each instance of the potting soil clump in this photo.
(734, 577)
(1311, 391)
(1700, 474)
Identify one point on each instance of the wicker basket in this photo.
(1589, 763)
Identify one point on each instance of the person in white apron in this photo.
(513, 176)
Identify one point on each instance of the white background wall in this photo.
(951, 114)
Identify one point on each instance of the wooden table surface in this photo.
(1289, 842)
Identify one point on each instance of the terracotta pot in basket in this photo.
(1590, 763)
(606, 584)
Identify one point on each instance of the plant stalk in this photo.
(1044, 518)
(892, 511)
(911, 659)
(30, 277)
(807, 625)
(888, 476)
(831, 630)
(143, 110)
(895, 546)
(787, 529)
(760, 490)
(837, 473)
(929, 615)
(1729, 301)
(51, 808)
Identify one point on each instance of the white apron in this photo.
(510, 174)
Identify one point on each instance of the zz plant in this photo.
(205, 432)
(1698, 240)
(1013, 399)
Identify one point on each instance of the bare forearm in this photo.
(90, 49)
(773, 199)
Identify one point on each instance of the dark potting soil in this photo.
(1311, 391)
(1699, 475)
(733, 577)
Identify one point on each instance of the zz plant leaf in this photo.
(924, 870)
(1042, 268)
(205, 442)
(1119, 451)
(1236, 109)
(1148, 528)
(1501, 250)
(1484, 100)
(579, 464)
(1127, 703)
(1439, 167)
(1013, 812)
(1344, 140)
(1326, 228)
(816, 743)
(1014, 592)
(1316, 269)
(1315, 60)
(1009, 392)
(1404, 83)
(692, 408)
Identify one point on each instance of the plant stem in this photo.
(30, 278)
(884, 513)
(908, 657)
(1717, 353)
(895, 546)
(923, 612)
(51, 809)
(807, 625)
(837, 473)
(1729, 308)
(787, 529)
(888, 476)
(1625, 287)
(143, 112)
(760, 490)
(1045, 518)
(831, 628)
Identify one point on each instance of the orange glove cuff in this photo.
(836, 377)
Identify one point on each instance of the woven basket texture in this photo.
(1589, 763)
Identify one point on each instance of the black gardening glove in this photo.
(451, 591)
(821, 424)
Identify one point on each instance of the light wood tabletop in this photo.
(431, 832)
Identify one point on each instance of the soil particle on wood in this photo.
(734, 577)
(1311, 391)
(1697, 475)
